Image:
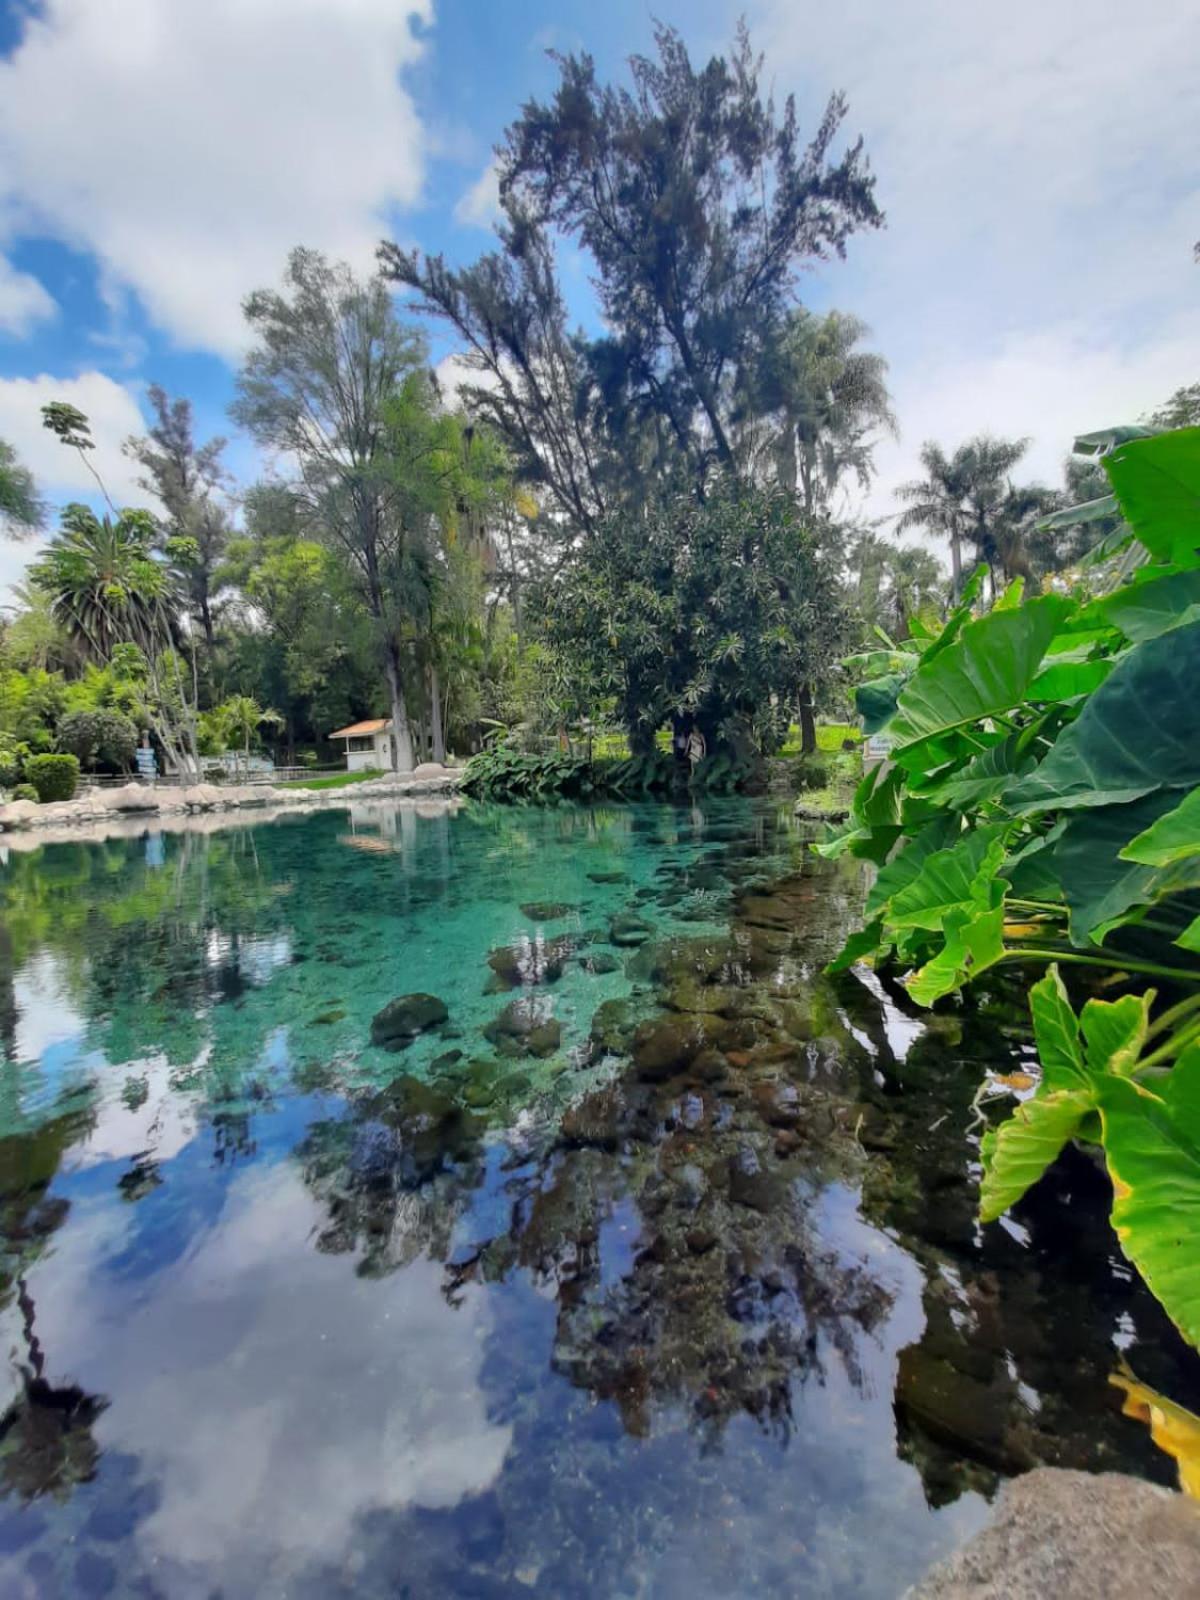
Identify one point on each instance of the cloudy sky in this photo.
(158, 158)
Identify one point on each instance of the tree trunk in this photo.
(402, 755)
(955, 567)
(438, 732)
(808, 725)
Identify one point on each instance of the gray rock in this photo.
(402, 1019)
(1076, 1536)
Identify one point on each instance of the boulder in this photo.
(1076, 1536)
(404, 1018)
(130, 797)
(429, 769)
(18, 813)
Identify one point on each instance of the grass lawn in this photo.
(340, 780)
(829, 741)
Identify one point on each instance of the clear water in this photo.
(692, 1302)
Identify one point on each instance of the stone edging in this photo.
(136, 799)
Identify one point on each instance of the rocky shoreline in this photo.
(96, 811)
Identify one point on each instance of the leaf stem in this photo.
(1038, 953)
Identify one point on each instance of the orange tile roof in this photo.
(361, 729)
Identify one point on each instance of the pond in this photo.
(650, 1268)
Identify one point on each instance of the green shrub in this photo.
(12, 760)
(104, 739)
(810, 772)
(25, 791)
(54, 777)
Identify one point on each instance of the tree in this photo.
(192, 486)
(963, 497)
(115, 599)
(890, 584)
(697, 206)
(710, 615)
(21, 512)
(241, 717)
(814, 405)
(330, 357)
(1182, 410)
(105, 586)
(99, 738)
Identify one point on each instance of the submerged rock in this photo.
(629, 930)
(404, 1018)
(528, 963)
(524, 1029)
(598, 962)
(547, 910)
(608, 877)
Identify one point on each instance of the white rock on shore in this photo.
(130, 799)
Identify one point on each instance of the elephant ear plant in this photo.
(1042, 808)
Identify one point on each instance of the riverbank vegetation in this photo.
(631, 558)
(1040, 810)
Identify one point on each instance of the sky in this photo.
(158, 159)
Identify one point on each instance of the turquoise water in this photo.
(651, 1270)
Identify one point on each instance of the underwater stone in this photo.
(598, 962)
(547, 910)
(402, 1019)
(628, 931)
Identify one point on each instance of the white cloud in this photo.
(1037, 170)
(479, 206)
(23, 301)
(191, 143)
(58, 471)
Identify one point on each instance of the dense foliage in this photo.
(706, 615)
(99, 739)
(54, 777)
(1042, 804)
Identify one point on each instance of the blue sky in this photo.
(159, 157)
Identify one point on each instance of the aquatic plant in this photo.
(1041, 805)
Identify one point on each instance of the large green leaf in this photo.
(1174, 837)
(1067, 680)
(974, 942)
(1056, 1030)
(907, 863)
(987, 670)
(875, 701)
(1152, 1146)
(1157, 482)
(959, 878)
(1153, 602)
(1138, 732)
(1114, 1032)
(1100, 887)
(984, 777)
(1016, 1154)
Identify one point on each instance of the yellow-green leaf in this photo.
(1017, 1152)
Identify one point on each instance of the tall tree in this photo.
(21, 512)
(330, 357)
(965, 498)
(710, 615)
(193, 488)
(697, 205)
(814, 406)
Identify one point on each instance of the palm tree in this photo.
(105, 585)
(825, 402)
(242, 715)
(21, 512)
(963, 497)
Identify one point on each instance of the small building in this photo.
(368, 745)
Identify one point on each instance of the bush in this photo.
(99, 739)
(12, 760)
(25, 791)
(53, 777)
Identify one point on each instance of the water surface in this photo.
(652, 1271)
